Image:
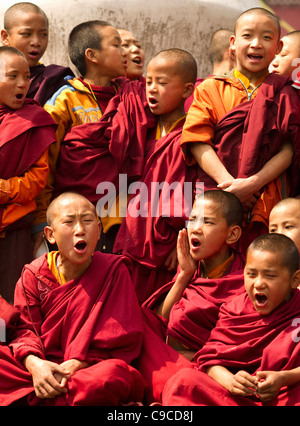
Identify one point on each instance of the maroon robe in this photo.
(242, 340)
(194, 316)
(85, 319)
(249, 135)
(97, 152)
(149, 238)
(46, 80)
(25, 135)
(10, 316)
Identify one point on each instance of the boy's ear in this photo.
(232, 43)
(4, 38)
(280, 46)
(234, 234)
(189, 90)
(296, 279)
(90, 55)
(48, 231)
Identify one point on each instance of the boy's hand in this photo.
(187, 264)
(72, 365)
(269, 384)
(244, 189)
(243, 384)
(49, 379)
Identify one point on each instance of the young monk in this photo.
(149, 238)
(210, 272)
(26, 27)
(135, 55)
(26, 133)
(286, 62)
(252, 355)
(84, 340)
(102, 121)
(285, 219)
(222, 132)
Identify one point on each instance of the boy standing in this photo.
(84, 338)
(252, 355)
(135, 55)
(27, 131)
(100, 116)
(227, 142)
(149, 238)
(26, 28)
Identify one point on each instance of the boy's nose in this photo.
(255, 42)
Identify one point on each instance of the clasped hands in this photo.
(265, 384)
(49, 378)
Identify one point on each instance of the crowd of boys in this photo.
(188, 299)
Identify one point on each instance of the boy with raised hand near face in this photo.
(252, 355)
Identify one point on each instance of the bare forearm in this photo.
(174, 295)
(275, 166)
(209, 162)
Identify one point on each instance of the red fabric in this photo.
(148, 240)
(97, 152)
(242, 146)
(85, 319)
(46, 80)
(193, 317)
(242, 340)
(10, 316)
(190, 99)
(25, 134)
(158, 362)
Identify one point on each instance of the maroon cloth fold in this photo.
(85, 319)
(10, 316)
(242, 334)
(194, 316)
(243, 340)
(46, 80)
(148, 238)
(25, 134)
(249, 135)
(97, 152)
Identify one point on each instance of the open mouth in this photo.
(261, 299)
(80, 246)
(137, 60)
(152, 102)
(255, 57)
(195, 243)
(19, 96)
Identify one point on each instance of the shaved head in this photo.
(256, 11)
(12, 14)
(181, 62)
(58, 203)
(295, 37)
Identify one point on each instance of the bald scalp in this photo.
(257, 11)
(278, 244)
(294, 36)
(220, 41)
(287, 202)
(182, 63)
(54, 206)
(13, 12)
